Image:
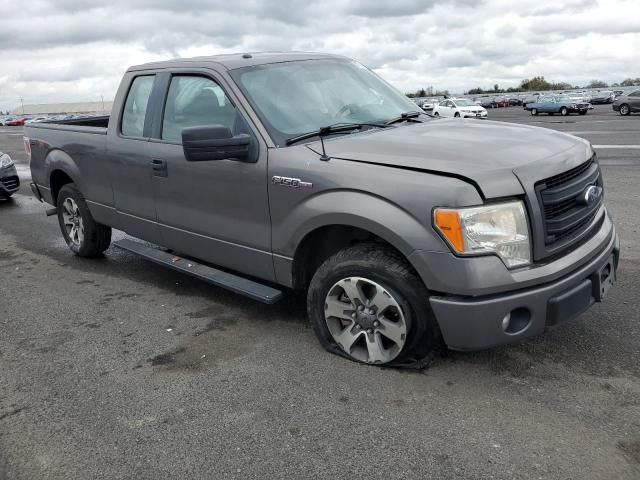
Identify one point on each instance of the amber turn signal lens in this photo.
(448, 222)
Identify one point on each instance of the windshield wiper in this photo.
(335, 128)
(407, 117)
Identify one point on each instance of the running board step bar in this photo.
(241, 285)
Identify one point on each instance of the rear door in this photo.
(133, 194)
(216, 211)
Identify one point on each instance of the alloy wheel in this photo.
(365, 320)
(73, 221)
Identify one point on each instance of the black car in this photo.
(9, 181)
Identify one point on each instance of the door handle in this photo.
(159, 168)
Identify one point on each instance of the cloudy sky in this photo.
(77, 50)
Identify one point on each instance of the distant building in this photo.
(60, 108)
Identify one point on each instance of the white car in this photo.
(459, 107)
(430, 103)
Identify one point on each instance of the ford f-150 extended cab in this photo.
(264, 172)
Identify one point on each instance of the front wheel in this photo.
(564, 112)
(367, 304)
(456, 115)
(624, 109)
(583, 112)
(84, 236)
(436, 114)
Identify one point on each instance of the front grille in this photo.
(566, 215)
(10, 183)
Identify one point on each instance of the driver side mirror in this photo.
(214, 142)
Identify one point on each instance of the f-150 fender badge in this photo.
(290, 182)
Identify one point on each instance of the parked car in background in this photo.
(9, 181)
(602, 97)
(486, 102)
(561, 104)
(429, 103)
(15, 122)
(36, 120)
(617, 93)
(459, 107)
(534, 97)
(627, 104)
(500, 102)
(514, 101)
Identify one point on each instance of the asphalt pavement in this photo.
(118, 368)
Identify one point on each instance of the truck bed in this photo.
(87, 125)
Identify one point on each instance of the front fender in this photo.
(357, 209)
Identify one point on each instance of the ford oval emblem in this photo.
(591, 195)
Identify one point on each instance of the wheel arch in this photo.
(61, 170)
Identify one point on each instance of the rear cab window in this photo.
(135, 107)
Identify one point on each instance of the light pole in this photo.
(22, 103)
(102, 99)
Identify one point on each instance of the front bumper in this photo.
(475, 115)
(9, 181)
(472, 323)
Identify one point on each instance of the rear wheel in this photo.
(436, 114)
(564, 112)
(367, 304)
(84, 236)
(583, 112)
(534, 111)
(624, 109)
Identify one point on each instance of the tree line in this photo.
(529, 85)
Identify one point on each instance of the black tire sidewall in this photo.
(423, 335)
(564, 112)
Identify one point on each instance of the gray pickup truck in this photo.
(266, 172)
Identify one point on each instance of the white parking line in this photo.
(634, 147)
(598, 132)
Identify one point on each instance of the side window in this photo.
(135, 106)
(635, 94)
(195, 101)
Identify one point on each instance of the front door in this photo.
(216, 211)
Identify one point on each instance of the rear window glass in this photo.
(135, 108)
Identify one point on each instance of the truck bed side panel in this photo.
(79, 152)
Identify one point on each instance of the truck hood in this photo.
(497, 157)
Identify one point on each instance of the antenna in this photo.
(324, 131)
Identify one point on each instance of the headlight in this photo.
(500, 229)
(5, 161)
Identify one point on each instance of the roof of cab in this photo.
(237, 60)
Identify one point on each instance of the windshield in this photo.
(463, 102)
(293, 98)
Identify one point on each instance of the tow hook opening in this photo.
(516, 321)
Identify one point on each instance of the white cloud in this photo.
(77, 50)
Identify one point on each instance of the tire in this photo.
(582, 112)
(625, 110)
(564, 111)
(456, 115)
(436, 114)
(378, 277)
(84, 236)
(534, 111)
